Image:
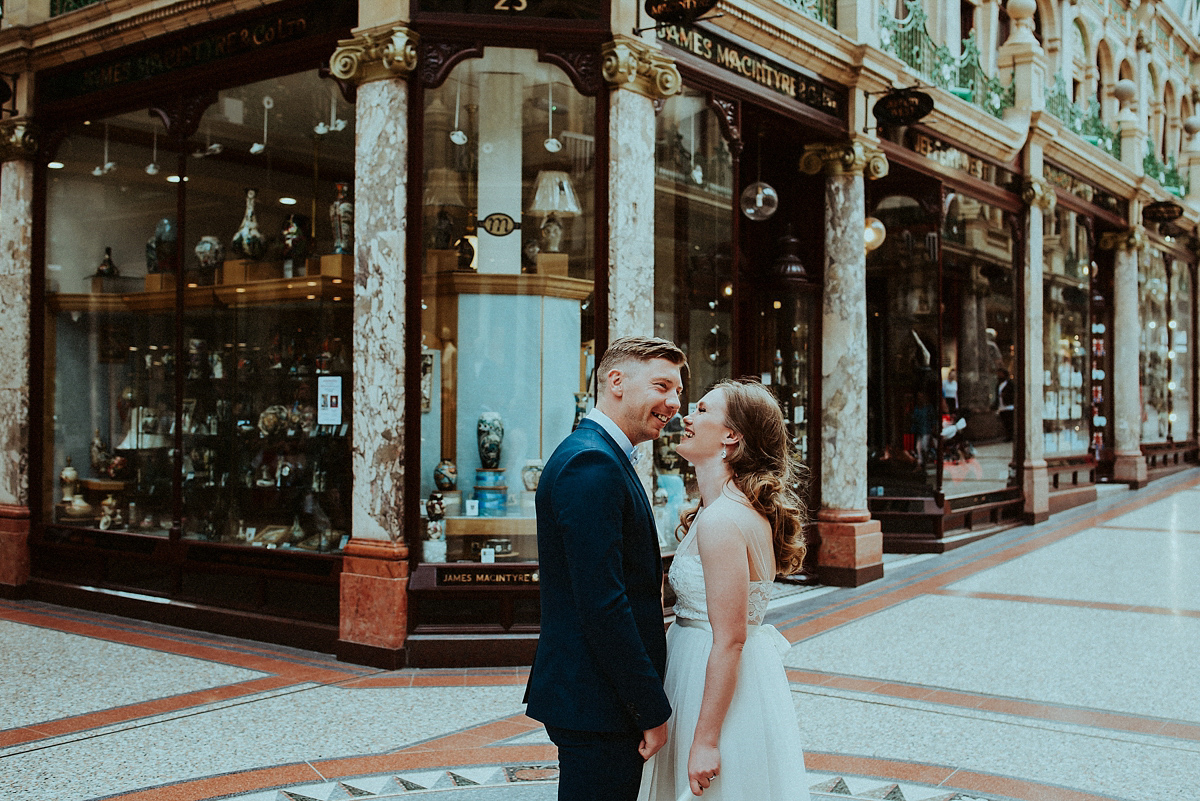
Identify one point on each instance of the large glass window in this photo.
(1066, 332)
(693, 273)
(506, 328)
(978, 340)
(1182, 377)
(230, 423)
(1155, 355)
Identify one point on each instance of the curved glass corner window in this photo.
(1066, 357)
(1183, 378)
(229, 423)
(693, 274)
(507, 324)
(1155, 357)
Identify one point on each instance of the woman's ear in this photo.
(731, 437)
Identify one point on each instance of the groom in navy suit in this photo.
(596, 681)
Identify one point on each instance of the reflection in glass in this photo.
(1181, 322)
(1067, 378)
(693, 279)
(1155, 355)
(506, 327)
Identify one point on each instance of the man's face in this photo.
(645, 397)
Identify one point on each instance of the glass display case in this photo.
(199, 323)
(1071, 397)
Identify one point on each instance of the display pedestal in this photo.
(441, 261)
(112, 284)
(851, 551)
(552, 263)
(160, 282)
(241, 271)
(339, 265)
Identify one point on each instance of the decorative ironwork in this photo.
(1084, 121)
(963, 75)
(821, 10)
(1166, 174)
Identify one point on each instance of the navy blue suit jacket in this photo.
(602, 652)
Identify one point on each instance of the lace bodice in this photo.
(687, 580)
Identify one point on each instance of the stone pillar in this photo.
(1035, 478)
(859, 21)
(637, 74)
(851, 547)
(17, 148)
(1130, 467)
(1023, 58)
(374, 580)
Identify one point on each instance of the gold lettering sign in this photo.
(484, 577)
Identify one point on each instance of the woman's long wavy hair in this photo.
(766, 469)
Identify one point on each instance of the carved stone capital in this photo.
(844, 157)
(1037, 192)
(375, 56)
(18, 139)
(1132, 238)
(628, 63)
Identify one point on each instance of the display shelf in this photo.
(253, 293)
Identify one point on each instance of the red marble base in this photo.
(1130, 468)
(851, 550)
(374, 597)
(14, 546)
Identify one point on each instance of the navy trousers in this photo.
(597, 766)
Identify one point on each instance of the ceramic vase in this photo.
(295, 244)
(248, 242)
(210, 253)
(491, 437)
(341, 217)
(445, 476)
(531, 473)
(69, 479)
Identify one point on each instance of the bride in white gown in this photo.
(733, 734)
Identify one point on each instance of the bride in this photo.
(733, 734)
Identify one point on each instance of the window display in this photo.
(228, 422)
(506, 295)
(1072, 387)
(1165, 294)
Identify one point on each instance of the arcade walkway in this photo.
(1059, 662)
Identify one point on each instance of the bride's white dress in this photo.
(761, 754)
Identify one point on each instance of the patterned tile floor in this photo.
(1049, 663)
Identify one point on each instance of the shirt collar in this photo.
(614, 431)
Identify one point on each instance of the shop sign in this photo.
(950, 156)
(1162, 211)
(902, 107)
(451, 576)
(544, 9)
(748, 64)
(678, 12)
(248, 35)
(499, 224)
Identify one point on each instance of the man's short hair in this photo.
(640, 349)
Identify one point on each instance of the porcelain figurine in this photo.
(107, 268)
(210, 252)
(68, 477)
(341, 217)
(491, 436)
(531, 473)
(295, 244)
(445, 476)
(248, 242)
(160, 248)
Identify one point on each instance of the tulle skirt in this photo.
(761, 754)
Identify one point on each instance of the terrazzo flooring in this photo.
(1050, 663)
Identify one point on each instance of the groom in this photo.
(596, 681)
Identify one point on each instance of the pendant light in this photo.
(759, 200)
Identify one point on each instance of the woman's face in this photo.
(705, 432)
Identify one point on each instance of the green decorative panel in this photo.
(58, 7)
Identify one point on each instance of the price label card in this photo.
(329, 400)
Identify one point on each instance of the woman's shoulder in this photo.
(728, 517)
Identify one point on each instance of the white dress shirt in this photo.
(614, 431)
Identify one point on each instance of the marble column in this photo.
(17, 148)
(637, 74)
(374, 579)
(851, 543)
(1035, 477)
(1129, 466)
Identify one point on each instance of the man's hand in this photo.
(652, 740)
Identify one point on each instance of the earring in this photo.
(723, 453)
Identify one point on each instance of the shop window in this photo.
(693, 275)
(1155, 354)
(978, 343)
(1066, 330)
(1183, 379)
(230, 423)
(507, 343)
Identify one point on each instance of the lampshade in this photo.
(442, 188)
(554, 193)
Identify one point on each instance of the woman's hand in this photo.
(704, 765)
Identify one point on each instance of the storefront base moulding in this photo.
(851, 549)
(374, 604)
(14, 550)
(1130, 468)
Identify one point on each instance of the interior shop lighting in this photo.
(287, 201)
(874, 233)
(55, 165)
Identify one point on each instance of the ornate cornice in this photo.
(1037, 192)
(18, 139)
(375, 56)
(1132, 238)
(839, 158)
(632, 64)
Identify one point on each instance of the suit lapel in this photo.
(630, 474)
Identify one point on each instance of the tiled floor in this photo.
(1059, 662)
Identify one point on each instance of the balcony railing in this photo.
(909, 40)
(820, 10)
(1084, 121)
(1166, 174)
(58, 7)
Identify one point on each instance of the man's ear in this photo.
(613, 380)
